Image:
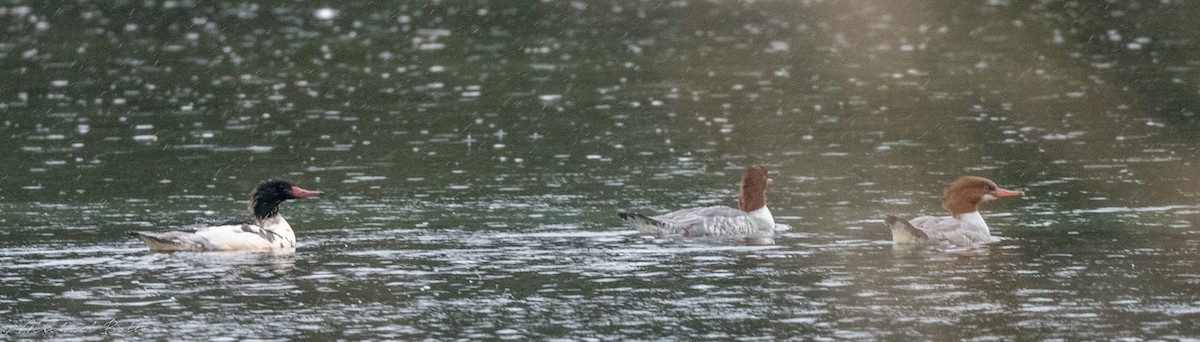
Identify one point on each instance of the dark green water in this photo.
(473, 155)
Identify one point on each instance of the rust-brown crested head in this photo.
(964, 194)
(754, 188)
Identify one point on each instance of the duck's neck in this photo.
(974, 219)
(280, 227)
(273, 222)
(762, 214)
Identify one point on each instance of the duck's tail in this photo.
(904, 232)
(158, 243)
(643, 223)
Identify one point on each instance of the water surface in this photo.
(473, 156)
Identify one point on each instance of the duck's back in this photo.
(710, 221)
(277, 235)
(944, 230)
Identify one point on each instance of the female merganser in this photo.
(751, 219)
(964, 226)
(269, 232)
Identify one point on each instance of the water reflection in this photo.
(475, 153)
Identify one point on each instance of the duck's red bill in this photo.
(300, 192)
(1006, 193)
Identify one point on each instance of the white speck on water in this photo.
(143, 127)
(1063, 136)
(59, 83)
(593, 157)
(1056, 36)
(164, 181)
(146, 138)
(431, 46)
(83, 128)
(437, 68)
(368, 178)
(325, 13)
(1113, 35)
(550, 97)
(778, 46)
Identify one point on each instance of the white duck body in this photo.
(965, 226)
(968, 228)
(269, 232)
(274, 234)
(751, 220)
(718, 221)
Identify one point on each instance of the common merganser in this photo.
(269, 232)
(964, 226)
(751, 219)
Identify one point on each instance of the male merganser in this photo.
(751, 219)
(964, 226)
(269, 232)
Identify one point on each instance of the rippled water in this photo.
(473, 156)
